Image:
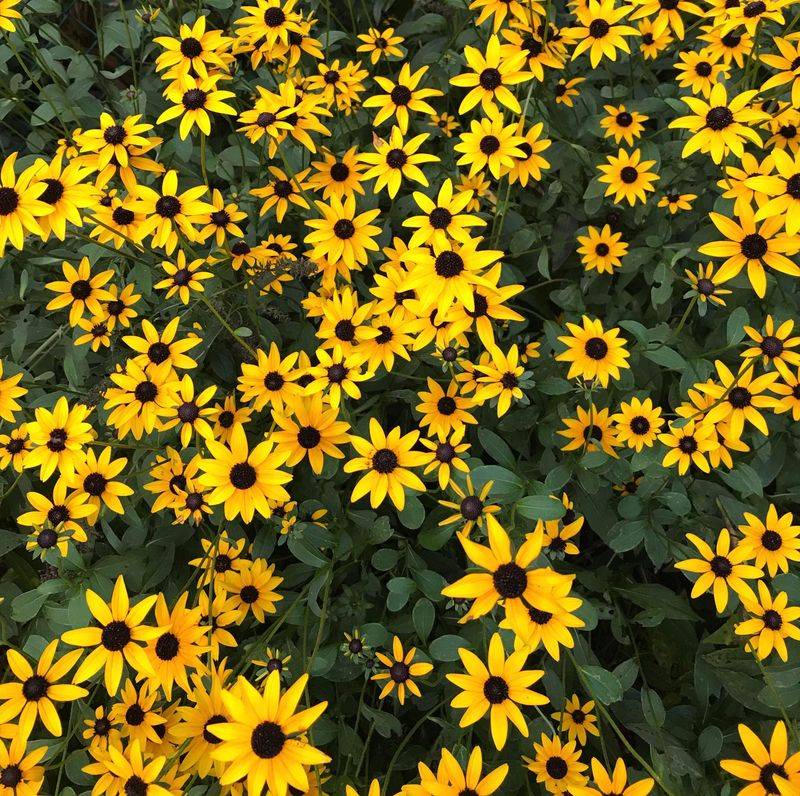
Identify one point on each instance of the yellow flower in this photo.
(594, 353)
(499, 688)
(117, 638)
(20, 201)
(387, 458)
(400, 671)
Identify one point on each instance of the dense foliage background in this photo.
(670, 679)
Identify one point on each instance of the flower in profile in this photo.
(116, 638)
(9, 392)
(497, 687)
(557, 765)
(400, 671)
(593, 353)
(770, 624)
(721, 569)
(765, 765)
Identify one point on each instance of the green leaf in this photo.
(709, 744)
(506, 486)
(9, 540)
(541, 507)
(497, 448)
(602, 684)
(413, 514)
(653, 708)
(423, 615)
(445, 648)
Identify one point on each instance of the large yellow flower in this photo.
(265, 740)
(244, 480)
(20, 203)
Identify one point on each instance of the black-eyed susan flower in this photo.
(387, 459)
(788, 391)
(95, 477)
(251, 590)
(169, 211)
(309, 429)
(10, 390)
(116, 637)
(336, 373)
(770, 623)
(341, 233)
(706, 285)
(338, 176)
(20, 766)
(20, 203)
(193, 51)
(785, 61)
(566, 90)
(57, 519)
(395, 160)
(35, 691)
(139, 399)
(780, 190)
(490, 144)
(471, 508)
(721, 570)
(507, 577)
(119, 308)
(272, 380)
(771, 543)
(497, 687)
(79, 290)
(443, 411)
(599, 30)
(58, 438)
(176, 653)
(654, 37)
(677, 201)
(638, 423)
(499, 11)
(380, 43)
(400, 671)
(446, 123)
(621, 124)
(66, 193)
(700, 71)
(155, 349)
(183, 277)
(136, 715)
(243, 479)
(720, 124)
(222, 221)
(191, 411)
(265, 737)
(689, 443)
(601, 249)
(444, 218)
(500, 378)
(99, 732)
(628, 176)
(530, 165)
(593, 352)
(194, 102)
(445, 457)
(590, 431)
(14, 448)
(739, 398)
(765, 765)
(672, 13)
(577, 719)
(616, 782)
(283, 191)
(401, 97)
(491, 75)
(558, 533)
(449, 272)
(557, 765)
